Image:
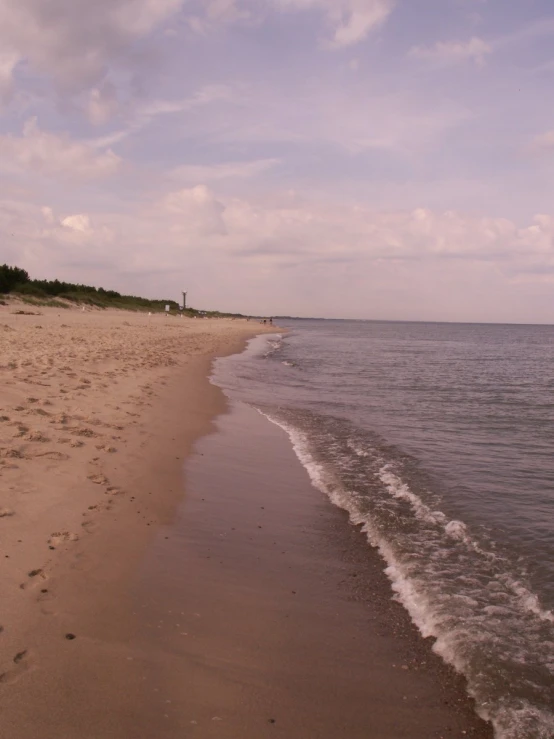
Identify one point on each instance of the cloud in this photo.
(205, 95)
(79, 222)
(75, 42)
(303, 233)
(317, 115)
(216, 12)
(350, 20)
(102, 103)
(528, 32)
(53, 155)
(228, 170)
(254, 105)
(476, 50)
(365, 236)
(292, 254)
(194, 211)
(8, 62)
(544, 142)
(143, 115)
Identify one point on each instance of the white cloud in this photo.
(350, 20)
(79, 222)
(338, 129)
(194, 211)
(75, 41)
(48, 214)
(327, 232)
(302, 233)
(54, 155)
(293, 255)
(475, 49)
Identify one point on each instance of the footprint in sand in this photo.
(98, 479)
(12, 453)
(106, 448)
(61, 537)
(37, 578)
(6, 512)
(58, 456)
(20, 664)
(44, 595)
(39, 412)
(112, 490)
(83, 432)
(7, 466)
(36, 436)
(36, 573)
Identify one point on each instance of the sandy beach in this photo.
(97, 411)
(126, 612)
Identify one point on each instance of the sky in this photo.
(386, 159)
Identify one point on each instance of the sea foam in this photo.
(455, 589)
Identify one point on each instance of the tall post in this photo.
(184, 299)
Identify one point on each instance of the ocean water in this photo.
(439, 440)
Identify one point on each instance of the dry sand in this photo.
(97, 411)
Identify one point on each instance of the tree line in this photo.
(17, 280)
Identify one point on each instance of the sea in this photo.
(439, 440)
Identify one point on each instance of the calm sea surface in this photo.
(439, 438)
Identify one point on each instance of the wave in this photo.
(457, 587)
(273, 345)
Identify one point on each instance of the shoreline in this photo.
(127, 668)
(98, 413)
(263, 610)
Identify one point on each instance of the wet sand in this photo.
(266, 614)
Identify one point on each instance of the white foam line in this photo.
(508, 722)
